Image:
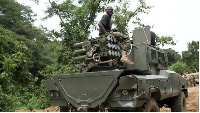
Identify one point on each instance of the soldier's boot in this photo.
(125, 59)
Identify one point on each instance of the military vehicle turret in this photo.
(106, 84)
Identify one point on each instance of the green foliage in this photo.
(24, 51)
(14, 73)
(5, 100)
(76, 19)
(17, 18)
(163, 40)
(179, 67)
(173, 52)
(35, 99)
(56, 69)
(122, 16)
(15, 56)
(189, 61)
(191, 56)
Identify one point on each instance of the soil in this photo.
(192, 103)
(49, 109)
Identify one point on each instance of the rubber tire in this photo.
(150, 106)
(179, 103)
(64, 109)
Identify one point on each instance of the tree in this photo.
(14, 68)
(179, 67)
(177, 56)
(25, 51)
(122, 16)
(191, 56)
(163, 40)
(189, 61)
(76, 20)
(17, 18)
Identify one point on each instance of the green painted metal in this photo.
(87, 89)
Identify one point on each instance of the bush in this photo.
(179, 67)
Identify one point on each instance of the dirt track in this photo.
(192, 103)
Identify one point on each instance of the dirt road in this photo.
(192, 103)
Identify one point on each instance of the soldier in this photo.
(105, 25)
(184, 74)
(191, 81)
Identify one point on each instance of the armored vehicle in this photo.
(106, 84)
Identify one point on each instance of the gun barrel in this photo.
(80, 58)
(80, 44)
(79, 52)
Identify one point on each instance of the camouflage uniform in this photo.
(124, 40)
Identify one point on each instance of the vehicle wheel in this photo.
(64, 109)
(150, 106)
(178, 103)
